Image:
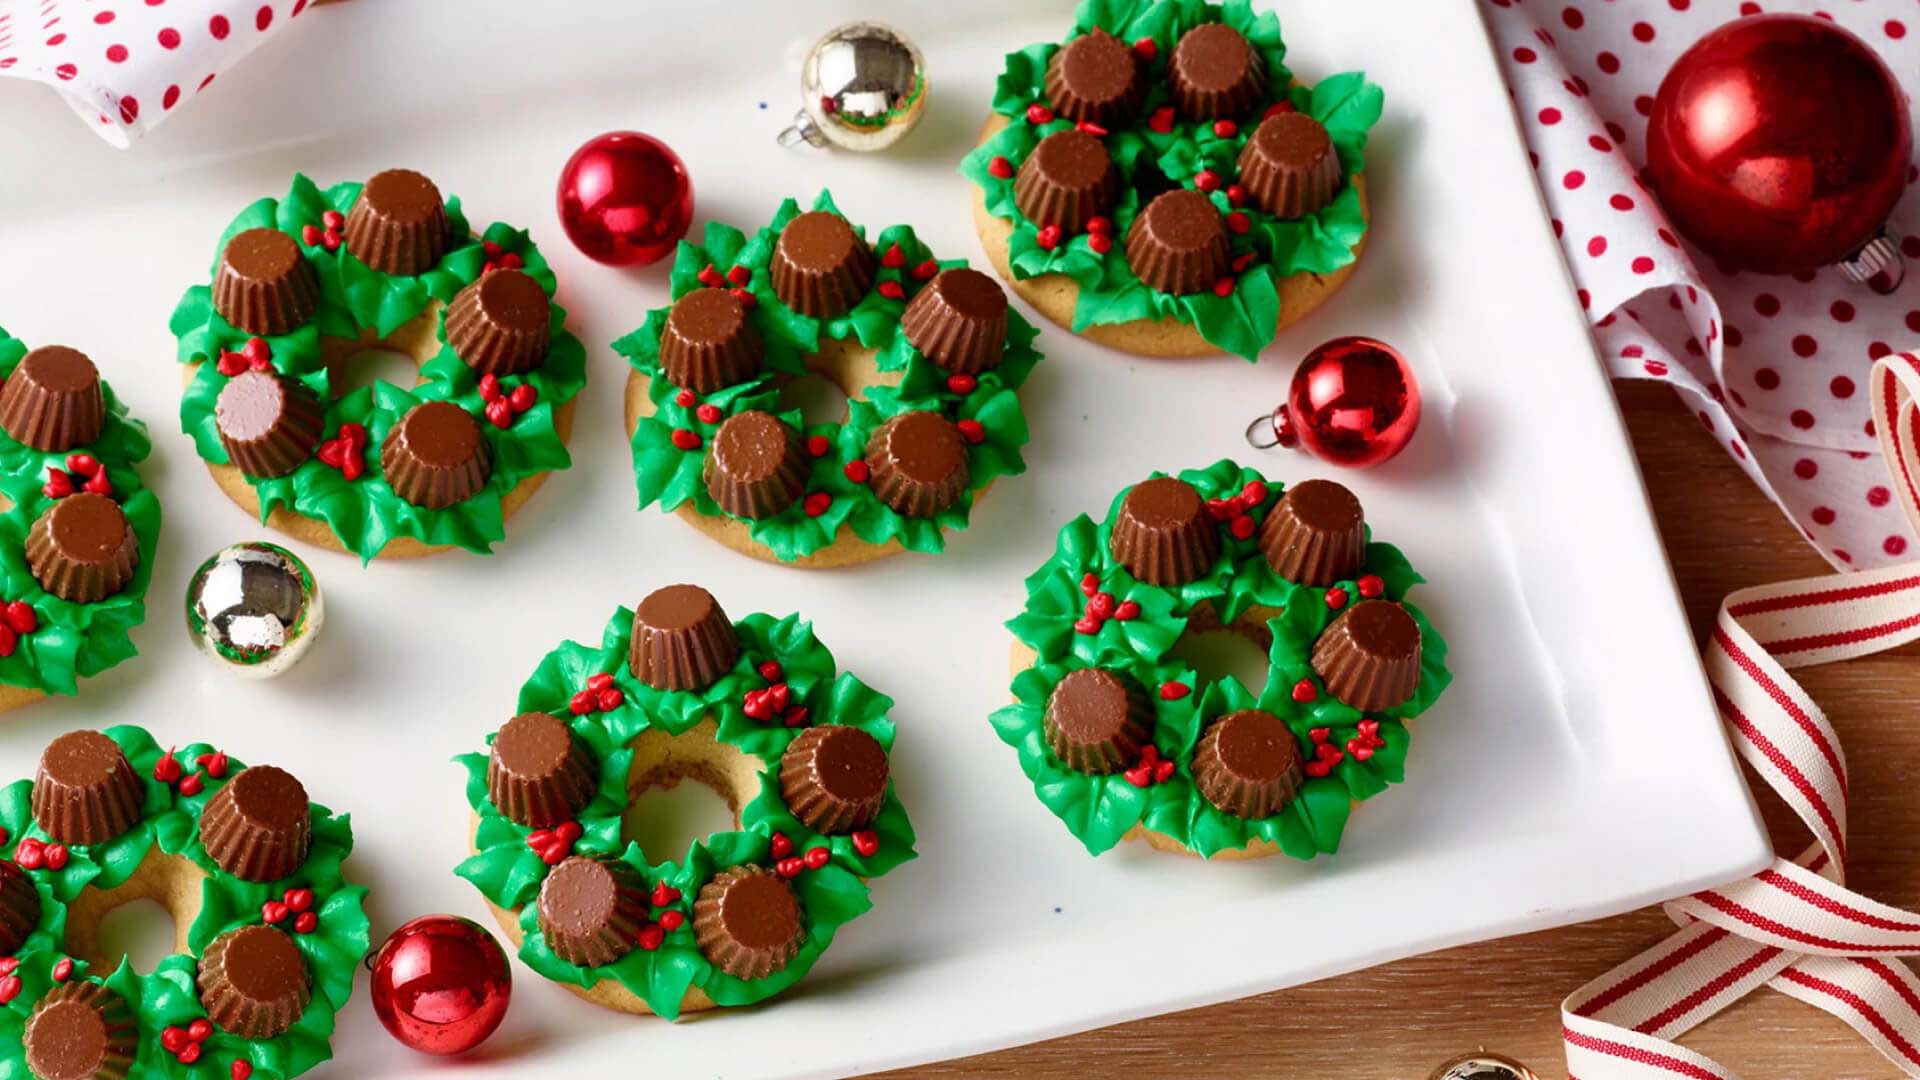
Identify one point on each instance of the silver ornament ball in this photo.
(863, 87)
(254, 607)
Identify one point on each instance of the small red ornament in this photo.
(1353, 401)
(625, 198)
(441, 984)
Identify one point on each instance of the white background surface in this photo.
(1574, 769)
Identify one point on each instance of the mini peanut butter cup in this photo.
(959, 321)
(1248, 764)
(85, 791)
(1369, 656)
(254, 982)
(918, 463)
(1068, 180)
(19, 907)
(257, 827)
(1216, 73)
(80, 1031)
(746, 921)
(834, 778)
(708, 344)
(539, 774)
(264, 284)
(52, 400)
(1095, 78)
(269, 423)
(756, 466)
(435, 455)
(82, 549)
(1097, 721)
(1289, 167)
(1316, 534)
(398, 225)
(1163, 534)
(1178, 244)
(592, 910)
(821, 267)
(499, 325)
(681, 639)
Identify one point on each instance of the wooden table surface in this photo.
(1402, 1020)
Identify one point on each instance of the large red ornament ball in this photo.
(625, 198)
(441, 984)
(1779, 143)
(1353, 401)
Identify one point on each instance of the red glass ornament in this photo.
(625, 198)
(1353, 401)
(1779, 143)
(441, 984)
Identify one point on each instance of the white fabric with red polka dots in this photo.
(1776, 367)
(124, 65)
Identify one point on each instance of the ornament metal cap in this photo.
(1482, 1065)
(863, 87)
(1878, 265)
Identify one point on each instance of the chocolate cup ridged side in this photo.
(681, 640)
(1095, 78)
(257, 850)
(1241, 795)
(776, 915)
(19, 906)
(76, 580)
(1276, 178)
(1097, 721)
(500, 325)
(84, 790)
(1163, 534)
(955, 324)
(1179, 243)
(834, 778)
(254, 982)
(708, 344)
(538, 773)
(1314, 552)
(591, 910)
(917, 462)
(52, 401)
(264, 284)
(1064, 183)
(813, 285)
(1356, 671)
(291, 435)
(1216, 73)
(421, 475)
(398, 225)
(80, 1030)
(750, 494)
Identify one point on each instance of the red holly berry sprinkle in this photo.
(1336, 598)
(685, 439)
(1225, 129)
(1239, 222)
(1048, 238)
(1371, 586)
(708, 413)
(55, 856)
(502, 406)
(242, 1069)
(306, 923)
(167, 770)
(31, 854)
(746, 297)
(298, 900)
(651, 937)
(789, 867)
(328, 237)
(9, 965)
(857, 471)
(215, 763)
(817, 445)
(1304, 691)
(894, 258)
(672, 920)
(1206, 180)
(1152, 769)
(866, 842)
(739, 275)
(892, 290)
(255, 355)
(1278, 108)
(1146, 49)
(1172, 690)
(1236, 195)
(711, 277)
(1327, 756)
(58, 486)
(1089, 584)
(926, 270)
(499, 258)
(1088, 127)
(63, 969)
(1223, 287)
(346, 451)
(684, 398)
(200, 1029)
(1100, 243)
(663, 894)
(780, 845)
(174, 1039)
(1162, 120)
(816, 503)
(273, 911)
(1000, 167)
(817, 858)
(9, 988)
(191, 784)
(961, 384)
(973, 431)
(771, 671)
(1039, 114)
(1242, 527)
(1242, 261)
(1127, 611)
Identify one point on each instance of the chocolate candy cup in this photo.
(591, 910)
(821, 267)
(80, 1031)
(1369, 657)
(681, 639)
(918, 463)
(834, 778)
(959, 321)
(81, 549)
(1163, 534)
(269, 423)
(1095, 78)
(19, 907)
(756, 466)
(747, 922)
(1248, 764)
(708, 344)
(1289, 167)
(1216, 73)
(254, 982)
(1178, 244)
(436, 456)
(52, 400)
(258, 828)
(1316, 534)
(398, 225)
(85, 791)
(539, 774)
(1068, 180)
(500, 324)
(264, 284)
(1098, 721)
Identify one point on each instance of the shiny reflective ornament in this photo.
(1780, 143)
(863, 87)
(1483, 1065)
(1353, 401)
(625, 199)
(441, 984)
(254, 607)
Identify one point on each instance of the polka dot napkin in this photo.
(124, 65)
(1776, 367)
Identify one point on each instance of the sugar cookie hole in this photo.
(672, 813)
(367, 366)
(819, 399)
(683, 788)
(141, 931)
(144, 919)
(1215, 651)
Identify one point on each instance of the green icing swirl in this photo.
(365, 514)
(166, 997)
(509, 874)
(1243, 322)
(669, 476)
(1100, 810)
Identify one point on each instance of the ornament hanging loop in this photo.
(1268, 430)
(802, 130)
(1877, 265)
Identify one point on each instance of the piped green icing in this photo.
(509, 873)
(1238, 588)
(1242, 322)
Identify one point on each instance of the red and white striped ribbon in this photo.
(1795, 926)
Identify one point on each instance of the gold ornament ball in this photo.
(863, 87)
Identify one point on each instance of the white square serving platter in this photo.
(1574, 769)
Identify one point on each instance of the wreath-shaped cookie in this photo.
(1163, 184)
(675, 691)
(928, 353)
(77, 531)
(269, 933)
(1121, 738)
(303, 284)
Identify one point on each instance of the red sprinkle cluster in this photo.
(184, 1042)
(1325, 754)
(498, 258)
(504, 405)
(1100, 234)
(83, 473)
(169, 771)
(818, 446)
(816, 503)
(704, 411)
(346, 451)
(1153, 769)
(654, 934)
(255, 355)
(1162, 120)
(297, 903)
(1101, 606)
(1146, 49)
(599, 695)
(555, 844)
(17, 620)
(1039, 114)
(329, 237)
(1363, 745)
(734, 280)
(775, 700)
(34, 854)
(788, 865)
(9, 981)
(1236, 513)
